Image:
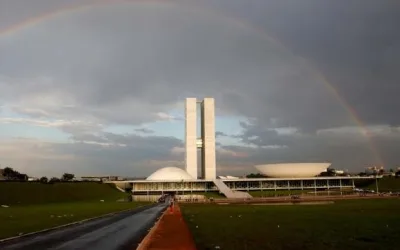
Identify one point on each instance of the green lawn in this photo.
(25, 193)
(272, 193)
(387, 184)
(215, 195)
(36, 206)
(356, 224)
(24, 219)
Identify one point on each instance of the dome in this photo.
(169, 174)
(293, 170)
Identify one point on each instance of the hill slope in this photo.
(25, 193)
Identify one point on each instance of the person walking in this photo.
(171, 205)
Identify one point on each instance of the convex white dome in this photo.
(169, 174)
(293, 170)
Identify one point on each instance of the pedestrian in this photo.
(171, 206)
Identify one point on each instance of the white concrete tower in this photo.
(209, 170)
(191, 136)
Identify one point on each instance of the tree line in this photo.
(10, 174)
(64, 178)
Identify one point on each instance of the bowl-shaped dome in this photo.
(293, 170)
(170, 174)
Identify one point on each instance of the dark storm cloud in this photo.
(126, 64)
(357, 47)
(355, 44)
(144, 130)
(137, 70)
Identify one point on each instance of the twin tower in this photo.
(205, 141)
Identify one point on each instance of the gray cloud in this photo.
(130, 74)
(144, 130)
(346, 147)
(104, 154)
(132, 64)
(136, 63)
(220, 134)
(355, 46)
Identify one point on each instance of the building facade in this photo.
(205, 141)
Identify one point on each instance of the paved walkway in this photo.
(172, 233)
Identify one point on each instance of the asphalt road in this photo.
(117, 232)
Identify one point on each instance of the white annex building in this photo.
(286, 176)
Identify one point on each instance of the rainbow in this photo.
(68, 9)
(65, 10)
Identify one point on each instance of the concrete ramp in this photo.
(229, 193)
(242, 195)
(120, 189)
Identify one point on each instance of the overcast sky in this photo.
(97, 87)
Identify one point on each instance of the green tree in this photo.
(257, 175)
(67, 177)
(10, 173)
(362, 174)
(22, 177)
(53, 180)
(44, 179)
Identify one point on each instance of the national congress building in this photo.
(288, 176)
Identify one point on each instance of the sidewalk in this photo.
(172, 233)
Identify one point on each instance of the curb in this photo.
(144, 244)
(67, 225)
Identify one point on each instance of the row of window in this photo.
(244, 185)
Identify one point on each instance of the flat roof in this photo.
(253, 179)
(105, 176)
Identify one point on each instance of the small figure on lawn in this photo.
(171, 205)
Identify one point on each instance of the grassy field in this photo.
(272, 193)
(25, 193)
(215, 195)
(24, 219)
(387, 184)
(356, 224)
(34, 206)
